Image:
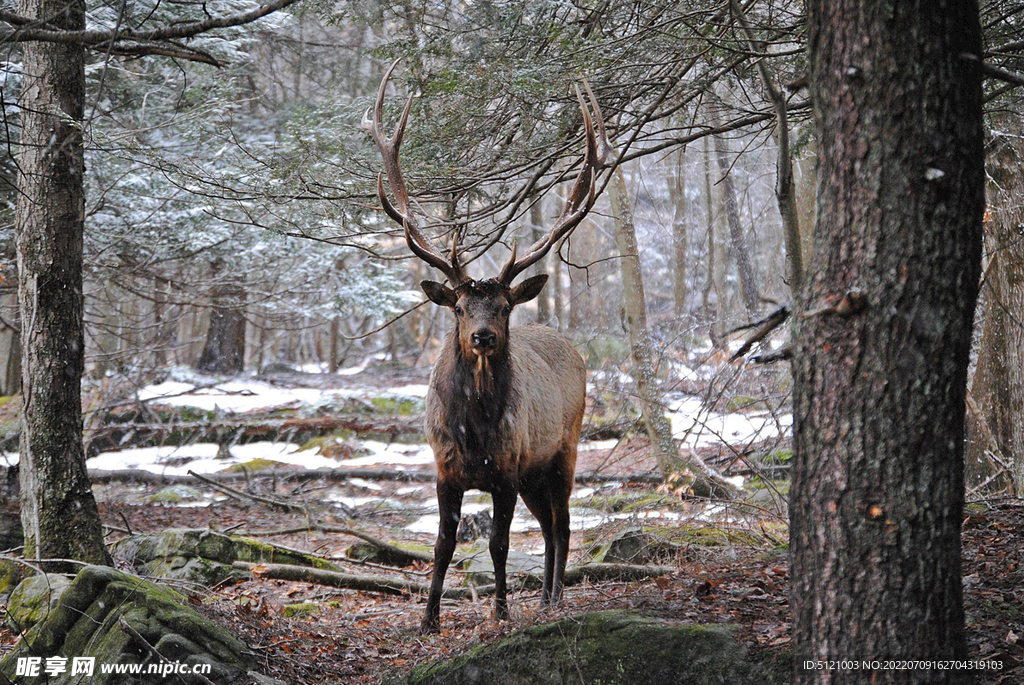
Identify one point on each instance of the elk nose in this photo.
(484, 339)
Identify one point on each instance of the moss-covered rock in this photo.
(203, 556)
(634, 546)
(602, 648)
(33, 599)
(395, 554)
(175, 494)
(11, 573)
(301, 609)
(86, 622)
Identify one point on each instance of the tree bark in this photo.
(537, 230)
(224, 351)
(679, 221)
(882, 348)
(58, 511)
(785, 190)
(738, 241)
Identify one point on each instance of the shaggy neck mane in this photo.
(475, 392)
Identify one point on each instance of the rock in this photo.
(607, 647)
(203, 556)
(633, 546)
(173, 494)
(33, 600)
(474, 526)
(277, 368)
(86, 623)
(521, 569)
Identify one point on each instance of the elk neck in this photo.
(476, 393)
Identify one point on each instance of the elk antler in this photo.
(417, 241)
(581, 197)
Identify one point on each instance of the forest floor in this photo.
(730, 563)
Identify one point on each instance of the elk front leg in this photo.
(449, 505)
(504, 507)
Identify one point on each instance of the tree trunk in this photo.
(224, 351)
(10, 348)
(537, 229)
(58, 511)
(998, 384)
(658, 428)
(738, 241)
(882, 349)
(679, 219)
(557, 309)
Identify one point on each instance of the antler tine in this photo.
(581, 197)
(506, 275)
(389, 148)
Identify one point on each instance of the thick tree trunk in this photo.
(224, 351)
(58, 511)
(882, 348)
(737, 240)
(658, 428)
(680, 213)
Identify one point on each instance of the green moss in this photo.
(326, 441)
(87, 622)
(709, 536)
(173, 494)
(6, 399)
(255, 465)
(628, 501)
(402, 406)
(779, 457)
(744, 402)
(606, 648)
(301, 609)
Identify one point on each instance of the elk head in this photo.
(482, 308)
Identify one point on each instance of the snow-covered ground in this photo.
(695, 426)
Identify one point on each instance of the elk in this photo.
(504, 405)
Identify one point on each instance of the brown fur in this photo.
(507, 422)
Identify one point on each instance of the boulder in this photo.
(203, 556)
(607, 647)
(634, 546)
(96, 616)
(33, 600)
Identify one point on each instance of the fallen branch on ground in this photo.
(399, 586)
(338, 474)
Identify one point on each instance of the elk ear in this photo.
(438, 293)
(528, 289)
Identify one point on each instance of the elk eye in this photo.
(506, 310)
(458, 310)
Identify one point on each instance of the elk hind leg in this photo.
(560, 488)
(537, 500)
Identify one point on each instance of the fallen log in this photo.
(349, 581)
(338, 474)
(399, 586)
(239, 431)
